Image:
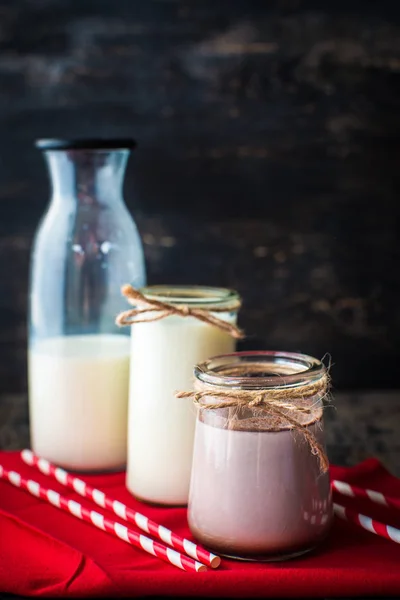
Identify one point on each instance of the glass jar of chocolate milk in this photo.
(260, 486)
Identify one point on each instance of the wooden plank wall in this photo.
(268, 158)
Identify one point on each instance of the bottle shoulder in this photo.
(86, 223)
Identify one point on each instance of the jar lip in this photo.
(196, 296)
(85, 144)
(295, 369)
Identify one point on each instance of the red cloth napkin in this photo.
(46, 552)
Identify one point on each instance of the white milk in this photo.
(78, 397)
(160, 426)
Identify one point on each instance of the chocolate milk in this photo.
(258, 494)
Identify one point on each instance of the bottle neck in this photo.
(87, 176)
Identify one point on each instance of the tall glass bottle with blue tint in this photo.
(86, 246)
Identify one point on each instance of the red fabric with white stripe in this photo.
(101, 521)
(46, 552)
(121, 510)
(356, 492)
(368, 523)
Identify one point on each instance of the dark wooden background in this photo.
(268, 158)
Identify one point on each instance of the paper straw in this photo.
(385, 531)
(121, 510)
(102, 522)
(353, 491)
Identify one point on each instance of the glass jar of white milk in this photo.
(86, 246)
(164, 352)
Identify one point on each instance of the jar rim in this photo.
(196, 296)
(291, 369)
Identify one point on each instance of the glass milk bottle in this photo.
(260, 487)
(164, 352)
(85, 247)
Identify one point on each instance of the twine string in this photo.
(149, 310)
(278, 402)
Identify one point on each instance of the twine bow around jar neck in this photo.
(150, 309)
(285, 406)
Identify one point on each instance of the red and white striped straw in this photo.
(385, 531)
(102, 522)
(353, 491)
(121, 510)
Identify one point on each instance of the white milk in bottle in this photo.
(85, 247)
(78, 395)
